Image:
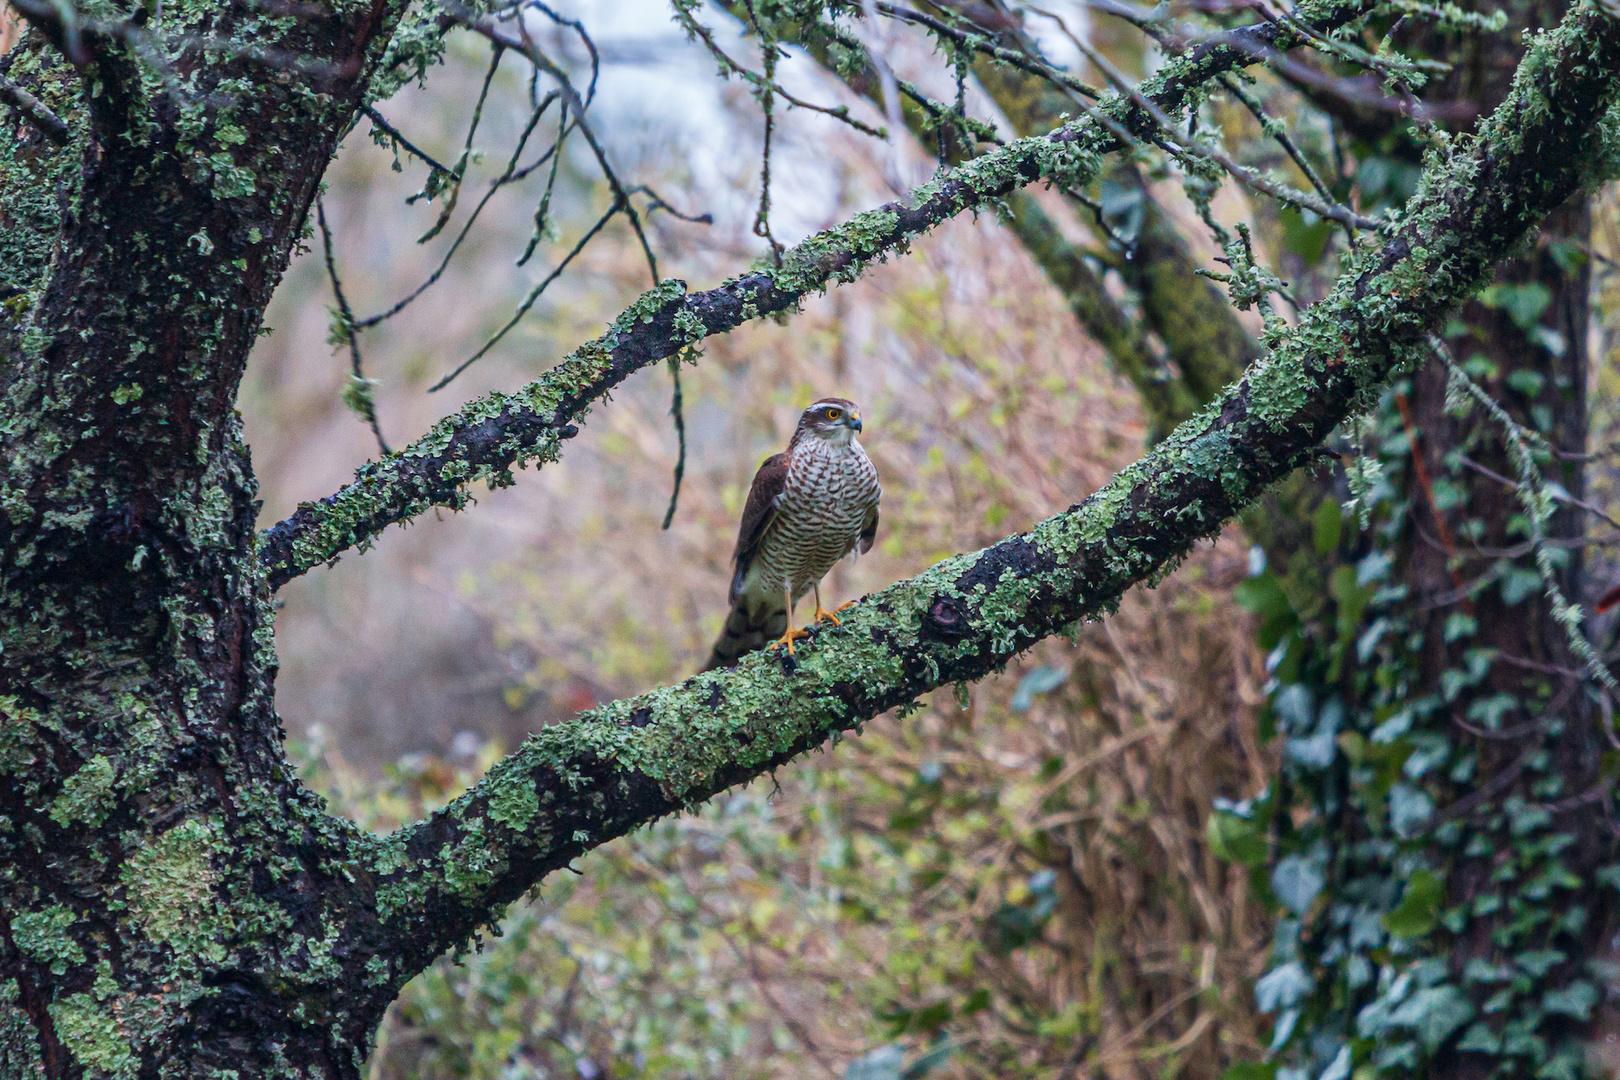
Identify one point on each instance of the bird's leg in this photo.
(823, 613)
(790, 635)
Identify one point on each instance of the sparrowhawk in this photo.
(809, 507)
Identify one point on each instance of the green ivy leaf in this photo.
(1297, 881)
(1262, 595)
(1235, 839)
(881, 1064)
(1327, 527)
(1305, 234)
(1282, 986)
(1419, 908)
(1574, 1000)
(1250, 1070)
(1522, 303)
(1434, 1014)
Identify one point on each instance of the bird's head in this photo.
(833, 420)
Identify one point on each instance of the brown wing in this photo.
(758, 514)
(868, 531)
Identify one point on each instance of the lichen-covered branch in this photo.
(483, 441)
(579, 784)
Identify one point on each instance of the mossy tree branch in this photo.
(484, 440)
(579, 784)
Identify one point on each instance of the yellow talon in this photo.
(789, 636)
(823, 613)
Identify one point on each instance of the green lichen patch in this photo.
(87, 795)
(170, 882)
(42, 937)
(91, 1033)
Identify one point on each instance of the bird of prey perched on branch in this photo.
(809, 507)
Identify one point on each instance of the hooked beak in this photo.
(854, 421)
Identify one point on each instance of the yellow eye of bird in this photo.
(833, 414)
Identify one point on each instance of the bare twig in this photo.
(1560, 494)
(678, 414)
(489, 27)
(976, 41)
(1326, 208)
(767, 84)
(509, 176)
(528, 300)
(359, 397)
(389, 130)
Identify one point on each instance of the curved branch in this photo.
(484, 440)
(582, 783)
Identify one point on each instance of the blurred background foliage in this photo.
(1012, 880)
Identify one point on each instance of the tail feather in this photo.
(747, 628)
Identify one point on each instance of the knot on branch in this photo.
(945, 619)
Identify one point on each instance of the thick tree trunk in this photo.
(1550, 757)
(171, 899)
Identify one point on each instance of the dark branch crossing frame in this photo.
(190, 886)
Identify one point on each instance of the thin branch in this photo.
(1322, 207)
(818, 36)
(978, 42)
(1274, 129)
(677, 412)
(1560, 495)
(580, 783)
(767, 84)
(656, 202)
(511, 175)
(767, 105)
(359, 396)
(430, 189)
(411, 148)
(35, 111)
(489, 27)
(1536, 497)
(486, 438)
(529, 300)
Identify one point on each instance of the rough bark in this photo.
(173, 902)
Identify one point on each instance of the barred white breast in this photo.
(825, 499)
